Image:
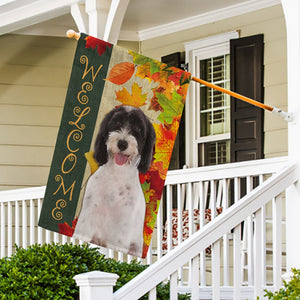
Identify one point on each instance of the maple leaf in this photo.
(185, 78)
(154, 105)
(182, 90)
(146, 190)
(154, 66)
(66, 229)
(158, 166)
(94, 43)
(164, 142)
(92, 162)
(136, 99)
(139, 59)
(121, 73)
(143, 71)
(171, 108)
(175, 77)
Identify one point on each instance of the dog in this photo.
(113, 208)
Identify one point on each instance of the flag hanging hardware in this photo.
(285, 115)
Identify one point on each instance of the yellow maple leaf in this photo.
(143, 71)
(93, 164)
(136, 98)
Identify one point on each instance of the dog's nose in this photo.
(122, 145)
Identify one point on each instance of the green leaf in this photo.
(171, 108)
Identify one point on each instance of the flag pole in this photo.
(287, 116)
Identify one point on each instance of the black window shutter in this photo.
(246, 77)
(178, 155)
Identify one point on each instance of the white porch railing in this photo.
(188, 191)
(251, 206)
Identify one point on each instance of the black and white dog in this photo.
(113, 208)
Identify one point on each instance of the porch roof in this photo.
(141, 19)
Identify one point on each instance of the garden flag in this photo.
(111, 159)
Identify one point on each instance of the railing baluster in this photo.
(237, 266)
(194, 282)
(149, 254)
(249, 232)
(216, 276)
(237, 189)
(9, 229)
(48, 237)
(24, 224)
(215, 246)
(258, 287)
(152, 294)
(169, 217)
(190, 208)
(2, 225)
(55, 237)
(213, 199)
(224, 204)
(263, 245)
(120, 256)
(277, 241)
(17, 224)
(40, 230)
(32, 222)
(237, 276)
(64, 239)
(263, 240)
(179, 228)
(202, 201)
(173, 286)
(159, 232)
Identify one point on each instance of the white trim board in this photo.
(206, 18)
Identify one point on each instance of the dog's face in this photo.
(125, 134)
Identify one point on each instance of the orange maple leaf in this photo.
(165, 138)
(135, 99)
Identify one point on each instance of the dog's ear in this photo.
(147, 153)
(100, 152)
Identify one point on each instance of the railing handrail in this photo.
(207, 235)
(22, 194)
(230, 170)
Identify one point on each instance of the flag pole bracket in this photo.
(285, 115)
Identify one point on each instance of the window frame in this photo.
(195, 51)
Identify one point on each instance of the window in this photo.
(208, 132)
(214, 118)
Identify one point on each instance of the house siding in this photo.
(33, 81)
(35, 72)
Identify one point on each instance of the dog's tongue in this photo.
(120, 159)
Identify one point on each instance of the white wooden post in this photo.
(292, 18)
(96, 285)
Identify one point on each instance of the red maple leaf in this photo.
(94, 43)
(66, 229)
(176, 77)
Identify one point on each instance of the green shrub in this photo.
(290, 291)
(46, 272)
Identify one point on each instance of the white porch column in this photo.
(96, 285)
(292, 18)
(105, 18)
